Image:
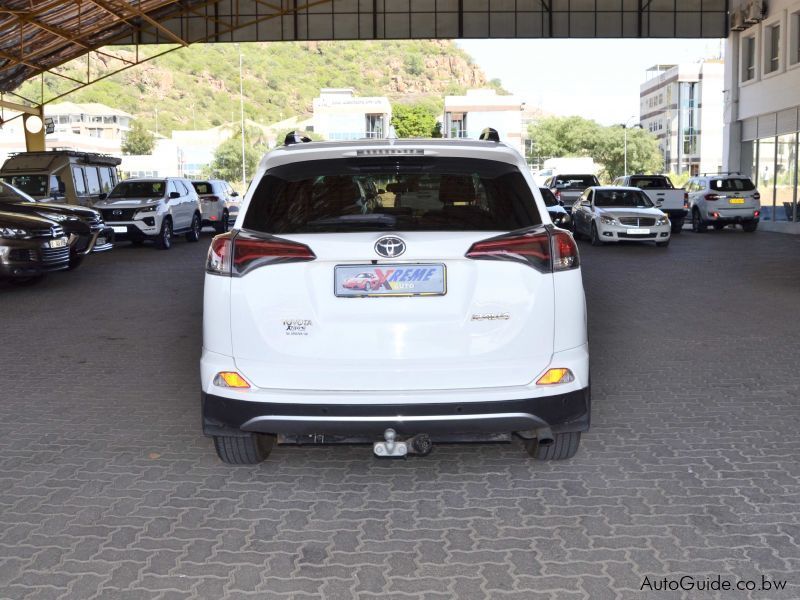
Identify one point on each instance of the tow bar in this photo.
(391, 447)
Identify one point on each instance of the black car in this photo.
(31, 246)
(85, 225)
(560, 217)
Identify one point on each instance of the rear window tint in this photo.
(202, 187)
(738, 184)
(392, 193)
(549, 198)
(651, 182)
(577, 181)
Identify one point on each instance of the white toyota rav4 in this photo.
(401, 292)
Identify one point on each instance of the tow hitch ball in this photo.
(391, 447)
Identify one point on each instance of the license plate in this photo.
(120, 229)
(736, 200)
(59, 243)
(353, 281)
(638, 231)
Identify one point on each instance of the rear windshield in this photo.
(738, 184)
(33, 185)
(659, 183)
(202, 187)
(621, 198)
(139, 189)
(549, 198)
(392, 193)
(576, 181)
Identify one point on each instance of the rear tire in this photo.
(698, 225)
(750, 226)
(595, 236)
(250, 450)
(222, 226)
(564, 446)
(677, 226)
(194, 232)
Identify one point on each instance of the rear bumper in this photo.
(569, 411)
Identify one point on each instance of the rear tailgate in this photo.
(666, 199)
(492, 326)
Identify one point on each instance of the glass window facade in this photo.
(775, 175)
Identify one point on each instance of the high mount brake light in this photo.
(546, 251)
(236, 254)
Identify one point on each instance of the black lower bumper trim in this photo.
(562, 412)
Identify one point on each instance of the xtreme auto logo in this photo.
(399, 278)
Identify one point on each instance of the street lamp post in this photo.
(625, 127)
(241, 117)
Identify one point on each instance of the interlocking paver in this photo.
(109, 491)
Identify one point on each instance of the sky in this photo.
(597, 79)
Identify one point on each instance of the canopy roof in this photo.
(38, 36)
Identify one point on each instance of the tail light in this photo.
(713, 197)
(756, 196)
(557, 194)
(234, 254)
(756, 213)
(685, 199)
(544, 250)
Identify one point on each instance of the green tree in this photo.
(410, 121)
(227, 163)
(138, 140)
(576, 136)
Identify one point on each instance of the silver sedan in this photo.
(615, 214)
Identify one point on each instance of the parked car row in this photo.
(38, 236)
(649, 207)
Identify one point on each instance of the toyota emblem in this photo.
(390, 247)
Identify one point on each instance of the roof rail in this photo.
(489, 135)
(295, 138)
(720, 173)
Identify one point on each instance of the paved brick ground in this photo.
(108, 489)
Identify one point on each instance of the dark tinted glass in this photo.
(138, 189)
(549, 198)
(35, 185)
(9, 194)
(737, 184)
(577, 181)
(621, 198)
(651, 182)
(419, 194)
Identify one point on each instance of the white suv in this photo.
(447, 307)
(721, 200)
(155, 209)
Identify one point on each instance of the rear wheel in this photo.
(194, 232)
(750, 226)
(595, 236)
(222, 225)
(698, 225)
(249, 450)
(565, 445)
(164, 239)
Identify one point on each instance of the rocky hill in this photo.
(198, 87)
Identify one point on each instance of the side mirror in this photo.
(102, 196)
(174, 195)
(561, 203)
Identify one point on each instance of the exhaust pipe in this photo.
(544, 436)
